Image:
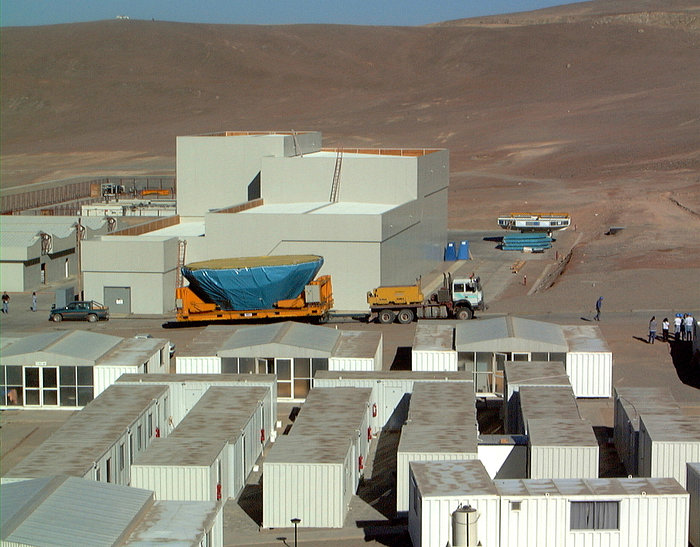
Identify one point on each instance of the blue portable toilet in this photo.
(450, 252)
(463, 252)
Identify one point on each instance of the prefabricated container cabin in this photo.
(433, 348)
(102, 441)
(562, 449)
(212, 451)
(313, 472)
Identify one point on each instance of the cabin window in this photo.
(595, 515)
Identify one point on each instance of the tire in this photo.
(386, 316)
(56, 318)
(323, 319)
(464, 314)
(92, 318)
(405, 316)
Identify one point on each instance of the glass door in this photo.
(41, 386)
(499, 372)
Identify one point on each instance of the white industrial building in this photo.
(485, 346)
(295, 352)
(313, 472)
(68, 369)
(543, 513)
(36, 250)
(187, 389)
(62, 510)
(210, 454)
(102, 441)
(441, 425)
(377, 216)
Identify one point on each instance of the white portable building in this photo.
(437, 489)
(68, 369)
(102, 441)
(391, 390)
(589, 361)
(667, 444)
(693, 487)
(433, 348)
(187, 389)
(630, 403)
(562, 449)
(212, 451)
(313, 472)
(545, 512)
(441, 425)
(293, 351)
(528, 373)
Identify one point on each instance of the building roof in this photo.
(452, 478)
(218, 418)
(585, 338)
(69, 511)
(313, 450)
(547, 402)
(19, 239)
(175, 523)
(377, 375)
(646, 400)
(132, 351)
(505, 334)
(589, 488)
(74, 447)
(83, 347)
(454, 438)
(671, 428)
(547, 432)
(536, 373)
(277, 335)
(222, 379)
(59, 226)
(360, 344)
(430, 336)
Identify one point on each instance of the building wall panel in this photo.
(197, 364)
(170, 482)
(352, 364)
(434, 361)
(590, 373)
(563, 462)
(693, 488)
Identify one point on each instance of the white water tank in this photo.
(464, 526)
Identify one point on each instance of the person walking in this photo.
(5, 302)
(598, 307)
(664, 329)
(34, 301)
(689, 327)
(652, 330)
(677, 322)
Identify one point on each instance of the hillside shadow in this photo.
(687, 365)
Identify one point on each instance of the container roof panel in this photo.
(561, 432)
(547, 401)
(396, 375)
(585, 338)
(646, 400)
(222, 379)
(357, 344)
(536, 373)
(588, 488)
(287, 333)
(460, 438)
(133, 351)
(672, 428)
(432, 337)
(453, 478)
(78, 512)
(299, 449)
(209, 341)
(78, 344)
(509, 334)
(175, 523)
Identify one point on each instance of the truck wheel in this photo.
(404, 316)
(464, 313)
(386, 316)
(92, 318)
(57, 318)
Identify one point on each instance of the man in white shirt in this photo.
(689, 327)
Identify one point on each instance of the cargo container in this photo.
(589, 361)
(667, 444)
(562, 449)
(433, 348)
(629, 404)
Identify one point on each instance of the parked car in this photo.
(80, 311)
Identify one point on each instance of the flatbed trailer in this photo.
(315, 302)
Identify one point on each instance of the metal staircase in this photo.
(181, 248)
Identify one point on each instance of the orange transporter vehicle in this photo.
(250, 288)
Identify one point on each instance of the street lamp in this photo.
(295, 522)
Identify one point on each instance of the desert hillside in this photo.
(591, 108)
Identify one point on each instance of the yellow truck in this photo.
(458, 298)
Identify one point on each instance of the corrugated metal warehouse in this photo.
(101, 441)
(441, 425)
(63, 510)
(391, 390)
(531, 373)
(630, 403)
(212, 451)
(545, 513)
(187, 389)
(667, 444)
(313, 472)
(293, 351)
(69, 368)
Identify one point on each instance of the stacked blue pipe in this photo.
(535, 241)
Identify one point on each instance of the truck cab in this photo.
(468, 289)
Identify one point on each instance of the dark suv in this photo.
(79, 311)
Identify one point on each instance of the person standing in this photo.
(598, 307)
(34, 301)
(664, 329)
(652, 330)
(677, 322)
(683, 326)
(689, 327)
(5, 302)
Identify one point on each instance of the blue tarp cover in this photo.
(254, 287)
